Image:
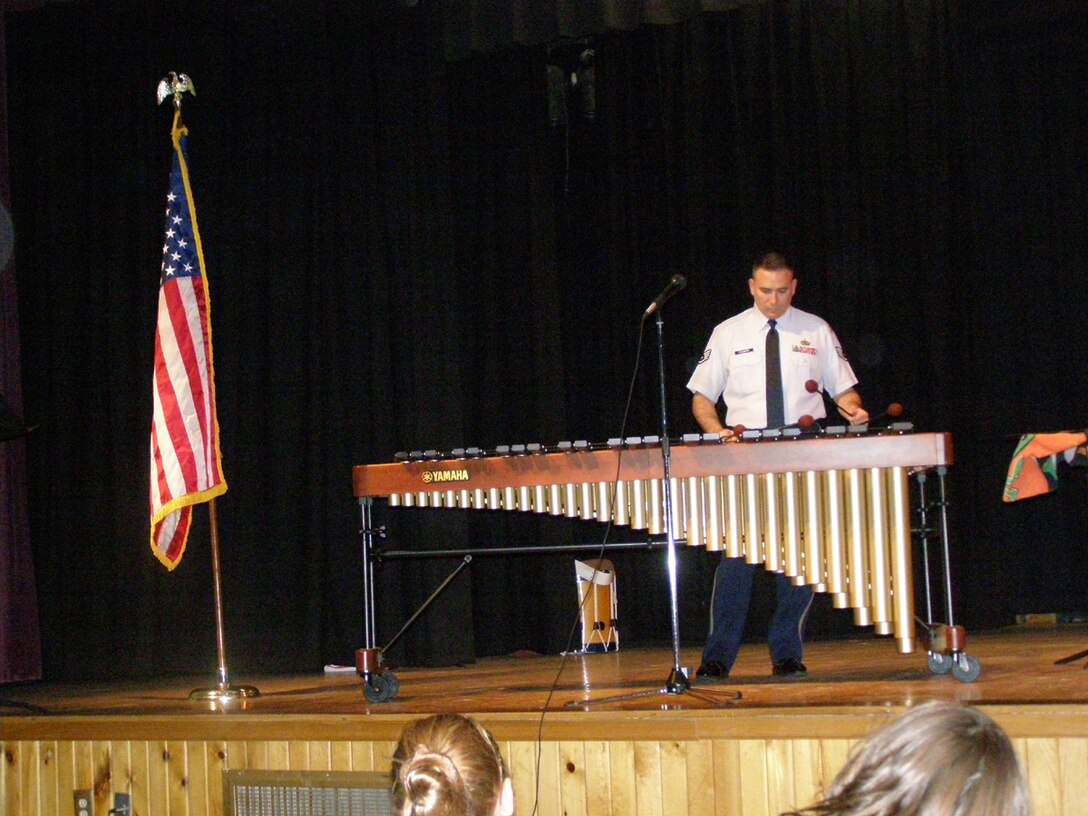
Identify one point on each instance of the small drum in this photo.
(596, 580)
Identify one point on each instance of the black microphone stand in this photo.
(678, 682)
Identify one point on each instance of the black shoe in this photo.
(711, 672)
(790, 667)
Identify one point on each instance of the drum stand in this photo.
(678, 682)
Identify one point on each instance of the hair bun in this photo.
(432, 784)
(447, 765)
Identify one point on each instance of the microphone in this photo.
(676, 283)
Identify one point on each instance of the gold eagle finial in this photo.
(174, 85)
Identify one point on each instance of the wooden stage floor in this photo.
(1017, 668)
(761, 755)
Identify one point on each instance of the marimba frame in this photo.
(516, 482)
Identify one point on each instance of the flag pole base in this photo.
(224, 693)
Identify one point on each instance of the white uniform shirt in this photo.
(733, 367)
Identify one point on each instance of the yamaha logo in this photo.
(430, 476)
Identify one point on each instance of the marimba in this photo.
(830, 510)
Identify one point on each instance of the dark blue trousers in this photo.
(729, 610)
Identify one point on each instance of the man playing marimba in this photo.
(770, 364)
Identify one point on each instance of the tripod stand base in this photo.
(1073, 658)
(678, 681)
(676, 686)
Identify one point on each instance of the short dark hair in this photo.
(774, 261)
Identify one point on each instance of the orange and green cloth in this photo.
(1033, 470)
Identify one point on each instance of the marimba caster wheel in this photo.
(966, 669)
(394, 685)
(381, 688)
(939, 663)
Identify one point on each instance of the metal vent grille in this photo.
(307, 793)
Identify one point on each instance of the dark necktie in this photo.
(776, 413)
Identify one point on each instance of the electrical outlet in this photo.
(83, 800)
(122, 804)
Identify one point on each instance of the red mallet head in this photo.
(812, 386)
(805, 422)
(895, 410)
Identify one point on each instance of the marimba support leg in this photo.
(945, 642)
(381, 684)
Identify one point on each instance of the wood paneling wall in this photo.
(593, 777)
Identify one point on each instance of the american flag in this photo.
(186, 466)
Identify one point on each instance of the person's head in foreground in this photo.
(449, 765)
(937, 759)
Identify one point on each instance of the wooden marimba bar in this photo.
(830, 511)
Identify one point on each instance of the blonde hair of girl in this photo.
(449, 765)
(937, 759)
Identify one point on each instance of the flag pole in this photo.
(185, 412)
(224, 691)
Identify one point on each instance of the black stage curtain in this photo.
(20, 642)
(413, 241)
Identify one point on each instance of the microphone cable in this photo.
(600, 554)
